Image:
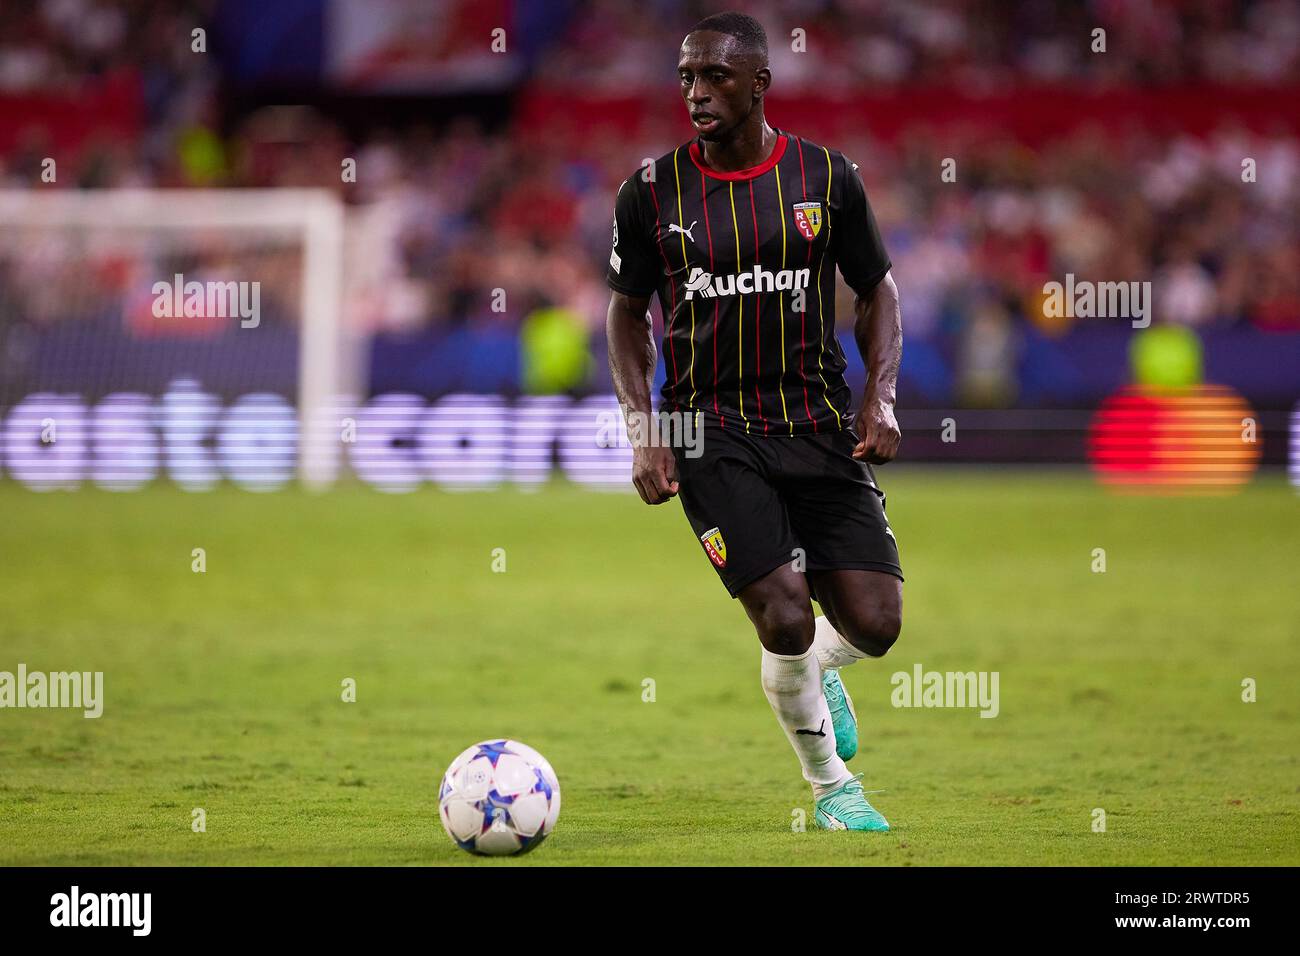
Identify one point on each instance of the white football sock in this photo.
(831, 647)
(794, 689)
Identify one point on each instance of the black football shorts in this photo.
(758, 502)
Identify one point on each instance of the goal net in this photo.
(195, 335)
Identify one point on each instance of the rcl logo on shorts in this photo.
(715, 547)
(706, 285)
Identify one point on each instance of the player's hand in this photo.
(654, 472)
(878, 430)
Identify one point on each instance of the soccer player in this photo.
(740, 232)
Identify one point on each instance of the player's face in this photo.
(719, 83)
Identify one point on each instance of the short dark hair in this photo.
(742, 26)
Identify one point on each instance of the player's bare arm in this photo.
(632, 360)
(878, 330)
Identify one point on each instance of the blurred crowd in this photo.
(467, 210)
(973, 44)
(481, 211)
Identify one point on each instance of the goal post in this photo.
(145, 231)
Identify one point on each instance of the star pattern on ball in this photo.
(493, 750)
(542, 785)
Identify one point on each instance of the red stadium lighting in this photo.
(1164, 441)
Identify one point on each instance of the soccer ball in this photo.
(498, 798)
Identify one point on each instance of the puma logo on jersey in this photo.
(673, 227)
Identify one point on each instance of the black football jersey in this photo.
(744, 264)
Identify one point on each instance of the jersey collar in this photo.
(740, 174)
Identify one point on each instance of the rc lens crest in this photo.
(715, 547)
(808, 219)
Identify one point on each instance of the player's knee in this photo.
(874, 630)
(786, 628)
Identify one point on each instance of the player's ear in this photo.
(762, 80)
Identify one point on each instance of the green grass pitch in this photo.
(1119, 690)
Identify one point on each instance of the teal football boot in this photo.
(846, 808)
(844, 719)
